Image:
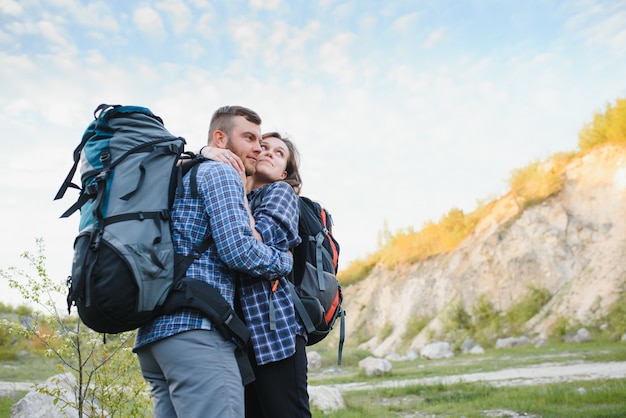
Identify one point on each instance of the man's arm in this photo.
(237, 247)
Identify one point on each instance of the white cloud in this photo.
(201, 4)
(368, 22)
(289, 46)
(344, 10)
(203, 26)
(247, 35)
(53, 33)
(610, 31)
(433, 37)
(10, 7)
(404, 23)
(149, 21)
(179, 14)
(601, 23)
(335, 58)
(193, 49)
(266, 4)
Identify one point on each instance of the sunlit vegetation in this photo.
(538, 181)
(531, 185)
(606, 127)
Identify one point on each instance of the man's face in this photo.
(245, 142)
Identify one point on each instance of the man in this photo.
(191, 367)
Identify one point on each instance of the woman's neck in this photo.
(253, 183)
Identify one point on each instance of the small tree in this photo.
(108, 377)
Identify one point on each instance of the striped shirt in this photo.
(219, 211)
(276, 219)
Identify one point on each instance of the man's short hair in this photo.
(223, 118)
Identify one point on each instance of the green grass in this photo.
(493, 359)
(7, 402)
(599, 398)
(28, 368)
(603, 398)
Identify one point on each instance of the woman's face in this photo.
(272, 163)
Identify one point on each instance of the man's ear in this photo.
(219, 139)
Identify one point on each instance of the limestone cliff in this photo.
(573, 244)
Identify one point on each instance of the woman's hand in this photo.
(225, 156)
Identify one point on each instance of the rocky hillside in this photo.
(573, 245)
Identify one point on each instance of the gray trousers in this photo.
(193, 374)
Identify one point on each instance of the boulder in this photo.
(477, 349)
(374, 366)
(512, 342)
(437, 350)
(326, 399)
(314, 360)
(41, 405)
(467, 345)
(581, 336)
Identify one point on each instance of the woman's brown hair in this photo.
(293, 172)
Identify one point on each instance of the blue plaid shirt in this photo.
(218, 210)
(276, 219)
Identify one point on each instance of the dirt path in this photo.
(9, 388)
(531, 375)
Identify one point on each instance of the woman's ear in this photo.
(283, 176)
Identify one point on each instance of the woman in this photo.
(278, 338)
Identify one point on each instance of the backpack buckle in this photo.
(92, 189)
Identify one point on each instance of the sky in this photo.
(401, 110)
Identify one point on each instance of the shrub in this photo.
(616, 317)
(487, 321)
(527, 307)
(607, 127)
(414, 326)
(385, 331)
(537, 181)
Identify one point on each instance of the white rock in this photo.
(437, 350)
(325, 398)
(477, 349)
(512, 342)
(314, 359)
(412, 355)
(467, 345)
(394, 357)
(374, 366)
(40, 405)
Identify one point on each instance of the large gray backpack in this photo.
(125, 270)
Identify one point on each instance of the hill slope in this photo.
(573, 245)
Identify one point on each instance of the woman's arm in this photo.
(276, 216)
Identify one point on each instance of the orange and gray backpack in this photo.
(316, 292)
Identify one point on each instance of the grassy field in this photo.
(593, 398)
